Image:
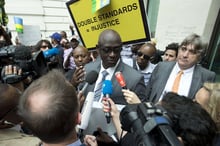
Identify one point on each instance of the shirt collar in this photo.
(148, 69)
(177, 68)
(110, 69)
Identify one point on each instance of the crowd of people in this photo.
(44, 87)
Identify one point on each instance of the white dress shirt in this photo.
(185, 81)
(110, 71)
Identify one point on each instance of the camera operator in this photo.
(190, 122)
(20, 57)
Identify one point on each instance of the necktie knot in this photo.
(98, 91)
(180, 72)
(104, 74)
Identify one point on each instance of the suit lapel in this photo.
(164, 73)
(196, 82)
(115, 83)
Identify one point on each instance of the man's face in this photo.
(110, 54)
(169, 55)
(187, 56)
(109, 47)
(80, 56)
(143, 56)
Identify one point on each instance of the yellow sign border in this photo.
(127, 17)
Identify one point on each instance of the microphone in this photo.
(86, 111)
(51, 52)
(120, 78)
(91, 77)
(107, 91)
(87, 105)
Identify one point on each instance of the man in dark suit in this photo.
(193, 75)
(109, 47)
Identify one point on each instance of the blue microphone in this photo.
(51, 52)
(107, 91)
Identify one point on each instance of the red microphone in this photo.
(120, 78)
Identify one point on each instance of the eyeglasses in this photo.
(140, 54)
(44, 46)
(107, 50)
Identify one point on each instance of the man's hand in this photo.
(78, 76)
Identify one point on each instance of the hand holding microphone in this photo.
(107, 91)
(130, 96)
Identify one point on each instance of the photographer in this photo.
(190, 122)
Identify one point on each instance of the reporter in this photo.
(90, 140)
(115, 114)
(191, 123)
(209, 98)
(130, 96)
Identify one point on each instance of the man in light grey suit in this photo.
(109, 47)
(193, 77)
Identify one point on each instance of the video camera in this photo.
(149, 124)
(31, 65)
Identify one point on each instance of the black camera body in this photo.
(34, 66)
(7, 51)
(150, 125)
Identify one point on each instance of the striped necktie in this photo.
(177, 82)
(98, 91)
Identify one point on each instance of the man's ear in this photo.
(79, 117)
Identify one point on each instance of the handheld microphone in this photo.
(107, 91)
(51, 52)
(91, 77)
(120, 78)
(86, 111)
(87, 105)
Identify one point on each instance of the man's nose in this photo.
(186, 53)
(112, 53)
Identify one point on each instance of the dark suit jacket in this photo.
(161, 74)
(133, 79)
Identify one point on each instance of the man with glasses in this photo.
(184, 76)
(109, 61)
(142, 61)
(109, 47)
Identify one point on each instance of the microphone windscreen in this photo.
(91, 77)
(107, 87)
(51, 52)
(120, 78)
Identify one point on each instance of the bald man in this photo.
(142, 61)
(81, 57)
(109, 47)
(50, 108)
